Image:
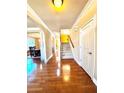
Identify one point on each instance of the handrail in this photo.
(71, 41)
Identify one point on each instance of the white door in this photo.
(84, 48)
(87, 49)
(91, 49)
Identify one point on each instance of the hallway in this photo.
(69, 32)
(59, 77)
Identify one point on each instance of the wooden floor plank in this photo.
(58, 77)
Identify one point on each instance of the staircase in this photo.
(66, 52)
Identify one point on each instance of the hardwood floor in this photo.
(58, 77)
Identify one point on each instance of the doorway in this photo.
(33, 45)
(36, 46)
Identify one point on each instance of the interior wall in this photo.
(75, 37)
(53, 44)
(48, 41)
(57, 48)
(30, 42)
(88, 62)
(64, 38)
(37, 43)
(64, 35)
(88, 13)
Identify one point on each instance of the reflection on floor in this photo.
(31, 66)
(58, 77)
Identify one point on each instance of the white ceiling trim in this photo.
(33, 29)
(83, 12)
(35, 17)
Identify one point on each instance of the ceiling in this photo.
(31, 23)
(54, 19)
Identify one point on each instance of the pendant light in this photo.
(57, 3)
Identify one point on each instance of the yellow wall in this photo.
(64, 38)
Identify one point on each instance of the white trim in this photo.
(49, 58)
(87, 23)
(94, 81)
(77, 61)
(80, 43)
(31, 13)
(33, 28)
(44, 45)
(83, 12)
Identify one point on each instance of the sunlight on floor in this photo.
(66, 72)
(41, 66)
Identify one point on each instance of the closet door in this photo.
(84, 48)
(91, 49)
(87, 44)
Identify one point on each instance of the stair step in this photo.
(67, 57)
(66, 52)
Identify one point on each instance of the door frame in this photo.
(42, 47)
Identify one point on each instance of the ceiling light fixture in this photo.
(57, 3)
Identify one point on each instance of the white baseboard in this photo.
(49, 58)
(94, 81)
(77, 61)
